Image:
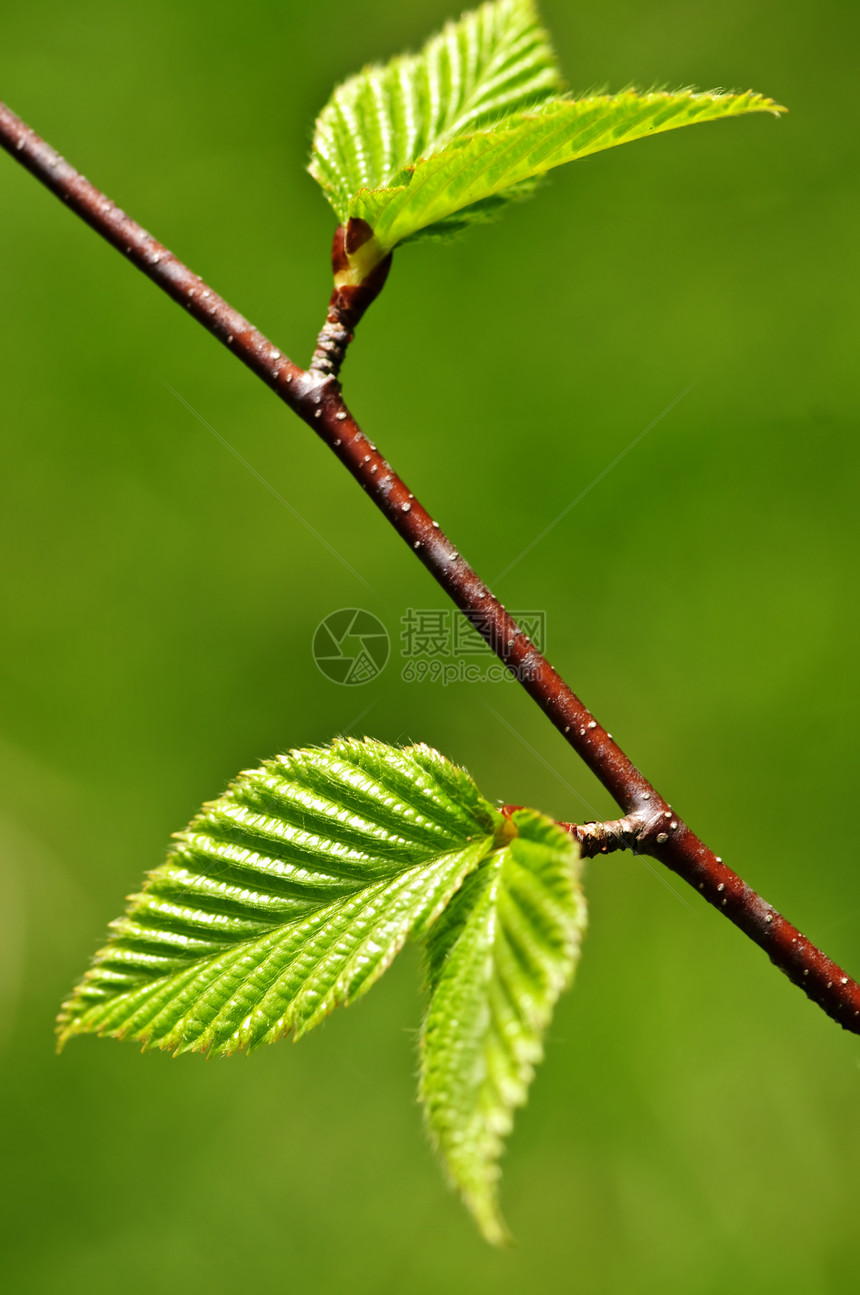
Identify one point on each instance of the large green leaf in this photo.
(292, 893)
(496, 961)
(289, 895)
(432, 142)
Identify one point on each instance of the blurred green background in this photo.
(696, 1126)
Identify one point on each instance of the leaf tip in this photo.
(482, 1203)
(66, 1024)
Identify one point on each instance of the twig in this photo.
(649, 823)
(601, 838)
(349, 301)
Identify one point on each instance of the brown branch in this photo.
(649, 823)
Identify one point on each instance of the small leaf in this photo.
(496, 961)
(477, 170)
(288, 896)
(436, 141)
(494, 61)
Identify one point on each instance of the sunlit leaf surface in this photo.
(496, 961)
(430, 143)
(286, 897)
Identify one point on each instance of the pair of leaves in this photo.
(292, 893)
(433, 142)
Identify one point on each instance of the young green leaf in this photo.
(460, 183)
(292, 893)
(436, 141)
(494, 61)
(288, 896)
(496, 961)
